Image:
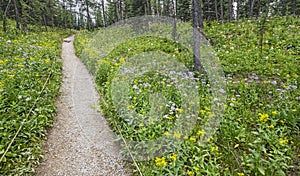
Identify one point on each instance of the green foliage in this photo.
(26, 61)
(260, 131)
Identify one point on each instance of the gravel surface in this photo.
(80, 142)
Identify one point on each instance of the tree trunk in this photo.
(216, 9)
(88, 14)
(4, 14)
(237, 9)
(222, 10)
(17, 15)
(196, 35)
(45, 21)
(251, 6)
(230, 10)
(103, 13)
(174, 5)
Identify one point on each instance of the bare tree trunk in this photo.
(120, 10)
(216, 9)
(196, 35)
(88, 14)
(103, 13)
(222, 10)
(174, 5)
(230, 10)
(251, 5)
(237, 9)
(4, 14)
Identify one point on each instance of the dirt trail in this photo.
(80, 143)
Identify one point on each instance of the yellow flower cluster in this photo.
(192, 139)
(214, 149)
(263, 117)
(160, 161)
(283, 141)
(177, 135)
(174, 157)
(201, 133)
(190, 173)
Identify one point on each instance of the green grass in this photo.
(28, 61)
(259, 134)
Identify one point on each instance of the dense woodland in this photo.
(90, 14)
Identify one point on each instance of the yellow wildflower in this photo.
(207, 108)
(274, 112)
(122, 60)
(263, 117)
(192, 139)
(190, 173)
(202, 111)
(240, 174)
(174, 157)
(179, 110)
(185, 137)
(283, 141)
(167, 133)
(177, 135)
(201, 133)
(160, 161)
(214, 149)
(271, 126)
(210, 139)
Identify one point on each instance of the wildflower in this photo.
(177, 135)
(263, 117)
(236, 145)
(214, 149)
(271, 126)
(283, 141)
(122, 60)
(210, 139)
(202, 111)
(201, 133)
(174, 157)
(167, 133)
(196, 169)
(240, 174)
(274, 112)
(179, 110)
(192, 139)
(207, 108)
(190, 173)
(160, 161)
(185, 137)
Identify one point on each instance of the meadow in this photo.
(30, 78)
(259, 133)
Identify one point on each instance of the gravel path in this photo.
(80, 143)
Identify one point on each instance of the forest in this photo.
(251, 45)
(90, 14)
